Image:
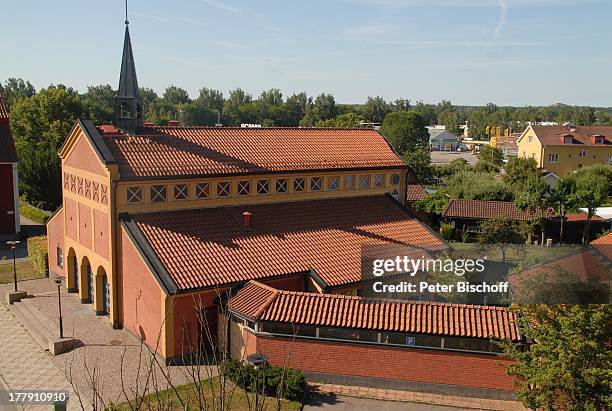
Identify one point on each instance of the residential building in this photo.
(565, 149)
(466, 216)
(9, 196)
(441, 139)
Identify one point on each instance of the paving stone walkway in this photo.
(24, 365)
(420, 398)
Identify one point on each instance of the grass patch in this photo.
(515, 254)
(33, 213)
(25, 271)
(240, 399)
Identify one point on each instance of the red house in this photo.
(9, 192)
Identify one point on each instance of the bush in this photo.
(447, 231)
(38, 253)
(245, 375)
(33, 213)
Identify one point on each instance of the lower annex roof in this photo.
(264, 303)
(209, 247)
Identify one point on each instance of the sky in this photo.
(509, 52)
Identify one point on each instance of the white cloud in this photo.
(503, 14)
(224, 6)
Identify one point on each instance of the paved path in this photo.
(23, 363)
(382, 397)
(342, 403)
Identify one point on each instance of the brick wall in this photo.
(141, 295)
(55, 239)
(409, 364)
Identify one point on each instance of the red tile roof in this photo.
(186, 151)
(208, 247)
(552, 135)
(8, 153)
(581, 216)
(604, 245)
(484, 209)
(264, 303)
(586, 265)
(415, 192)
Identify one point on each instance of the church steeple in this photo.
(128, 112)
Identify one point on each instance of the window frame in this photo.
(224, 189)
(183, 190)
(364, 177)
(59, 257)
(301, 184)
(130, 194)
(316, 184)
(352, 184)
(380, 177)
(159, 191)
(583, 152)
(336, 183)
(260, 184)
(243, 189)
(281, 182)
(200, 188)
(553, 158)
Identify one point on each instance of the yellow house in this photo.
(564, 149)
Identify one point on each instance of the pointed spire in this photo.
(128, 84)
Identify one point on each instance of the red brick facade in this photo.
(55, 239)
(408, 364)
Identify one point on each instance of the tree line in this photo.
(41, 120)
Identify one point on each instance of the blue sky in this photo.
(514, 52)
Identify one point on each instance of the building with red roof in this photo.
(160, 224)
(9, 197)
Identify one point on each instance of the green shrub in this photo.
(38, 253)
(447, 231)
(269, 379)
(33, 213)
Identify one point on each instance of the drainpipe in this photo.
(114, 265)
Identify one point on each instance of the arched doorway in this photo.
(87, 282)
(102, 292)
(72, 275)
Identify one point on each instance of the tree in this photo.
(147, 96)
(15, 89)
(40, 125)
(592, 190)
(518, 170)
(176, 95)
(419, 161)
(434, 203)
(99, 102)
(455, 166)
(484, 166)
(375, 109)
(535, 198)
(346, 120)
(563, 200)
(500, 232)
(492, 155)
(295, 109)
(405, 131)
(472, 185)
(197, 114)
(210, 99)
(427, 113)
(568, 365)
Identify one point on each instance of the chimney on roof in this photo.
(174, 123)
(246, 220)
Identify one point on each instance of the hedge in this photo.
(33, 213)
(245, 375)
(447, 231)
(39, 255)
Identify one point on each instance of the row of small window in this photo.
(428, 341)
(554, 158)
(262, 187)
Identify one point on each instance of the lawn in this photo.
(240, 399)
(515, 254)
(25, 271)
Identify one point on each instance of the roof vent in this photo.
(246, 220)
(174, 123)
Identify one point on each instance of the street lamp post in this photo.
(58, 282)
(13, 245)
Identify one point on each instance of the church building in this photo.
(161, 225)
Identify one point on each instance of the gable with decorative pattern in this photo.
(83, 157)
